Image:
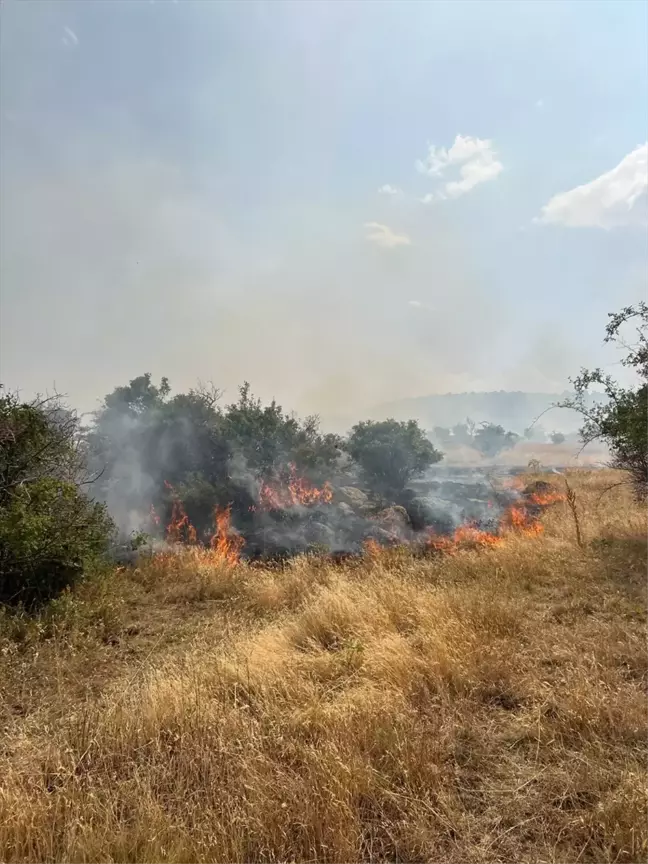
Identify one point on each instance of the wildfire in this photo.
(372, 548)
(298, 492)
(517, 518)
(544, 499)
(464, 536)
(225, 543)
(180, 529)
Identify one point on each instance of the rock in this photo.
(436, 513)
(320, 534)
(355, 498)
(345, 510)
(394, 520)
(381, 536)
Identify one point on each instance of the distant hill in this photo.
(515, 410)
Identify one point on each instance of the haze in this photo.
(343, 203)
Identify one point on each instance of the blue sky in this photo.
(342, 202)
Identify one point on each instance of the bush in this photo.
(49, 530)
(491, 439)
(390, 454)
(154, 448)
(622, 420)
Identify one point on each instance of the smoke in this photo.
(159, 216)
(284, 516)
(129, 489)
(133, 268)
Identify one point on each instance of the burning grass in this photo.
(487, 705)
(519, 505)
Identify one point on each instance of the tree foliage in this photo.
(390, 454)
(49, 529)
(464, 433)
(158, 447)
(491, 439)
(621, 421)
(488, 438)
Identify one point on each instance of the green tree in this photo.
(390, 454)
(442, 435)
(270, 440)
(621, 421)
(154, 447)
(557, 438)
(491, 439)
(463, 434)
(50, 531)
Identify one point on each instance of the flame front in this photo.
(463, 536)
(225, 543)
(298, 492)
(179, 529)
(544, 499)
(517, 518)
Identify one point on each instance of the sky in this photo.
(342, 203)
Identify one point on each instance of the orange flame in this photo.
(517, 518)
(464, 536)
(372, 548)
(225, 543)
(298, 492)
(544, 499)
(179, 529)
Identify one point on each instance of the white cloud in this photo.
(475, 159)
(383, 236)
(616, 199)
(539, 104)
(69, 37)
(388, 189)
(418, 304)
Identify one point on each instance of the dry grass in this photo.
(568, 454)
(488, 706)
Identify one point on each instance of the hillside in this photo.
(476, 704)
(515, 410)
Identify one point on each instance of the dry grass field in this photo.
(482, 706)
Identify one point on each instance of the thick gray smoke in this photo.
(441, 501)
(167, 466)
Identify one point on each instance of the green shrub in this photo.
(50, 531)
(491, 439)
(621, 421)
(390, 454)
(153, 448)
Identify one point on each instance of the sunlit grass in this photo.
(484, 706)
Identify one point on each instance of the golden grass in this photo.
(487, 706)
